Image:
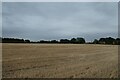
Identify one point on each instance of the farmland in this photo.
(59, 60)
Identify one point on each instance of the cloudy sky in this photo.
(56, 20)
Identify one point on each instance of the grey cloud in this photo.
(54, 20)
(61, 1)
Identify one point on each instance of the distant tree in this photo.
(95, 41)
(64, 41)
(80, 40)
(102, 40)
(117, 41)
(12, 40)
(27, 41)
(42, 41)
(0, 39)
(73, 40)
(110, 40)
(53, 41)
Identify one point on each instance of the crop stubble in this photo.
(59, 61)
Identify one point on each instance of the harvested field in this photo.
(60, 61)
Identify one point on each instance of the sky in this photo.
(59, 20)
(60, 0)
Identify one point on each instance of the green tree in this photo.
(80, 40)
(73, 40)
(64, 41)
(110, 40)
(95, 41)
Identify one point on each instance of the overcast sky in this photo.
(56, 20)
(60, 0)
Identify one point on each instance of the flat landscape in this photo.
(59, 61)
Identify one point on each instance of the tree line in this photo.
(14, 40)
(108, 40)
(78, 40)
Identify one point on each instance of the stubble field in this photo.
(59, 61)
